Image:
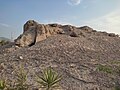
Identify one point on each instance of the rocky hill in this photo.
(86, 59)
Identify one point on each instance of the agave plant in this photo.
(2, 84)
(21, 76)
(49, 79)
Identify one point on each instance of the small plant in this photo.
(49, 79)
(2, 84)
(21, 79)
(117, 88)
(105, 68)
(3, 42)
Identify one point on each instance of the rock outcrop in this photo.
(34, 32)
(28, 38)
(86, 59)
(28, 24)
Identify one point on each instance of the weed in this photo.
(117, 88)
(2, 84)
(105, 68)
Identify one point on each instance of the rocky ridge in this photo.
(34, 32)
(77, 53)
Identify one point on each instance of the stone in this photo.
(20, 57)
(34, 32)
(28, 24)
(28, 38)
(86, 28)
(112, 35)
(68, 29)
(74, 34)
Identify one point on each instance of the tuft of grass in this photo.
(21, 76)
(105, 69)
(115, 62)
(117, 88)
(49, 79)
(2, 84)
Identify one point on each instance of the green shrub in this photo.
(105, 68)
(2, 84)
(49, 79)
(3, 42)
(117, 88)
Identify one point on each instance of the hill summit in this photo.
(86, 59)
(34, 32)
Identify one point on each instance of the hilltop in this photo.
(86, 58)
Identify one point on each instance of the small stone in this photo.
(21, 57)
(72, 65)
(74, 34)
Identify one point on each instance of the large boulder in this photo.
(34, 32)
(87, 29)
(68, 29)
(29, 24)
(28, 38)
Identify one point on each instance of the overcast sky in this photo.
(103, 15)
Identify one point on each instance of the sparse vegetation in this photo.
(49, 79)
(104, 68)
(117, 88)
(2, 84)
(21, 76)
(115, 62)
(3, 42)
(88, 60)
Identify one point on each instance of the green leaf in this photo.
(49, 78)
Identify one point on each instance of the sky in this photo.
(101, 15)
